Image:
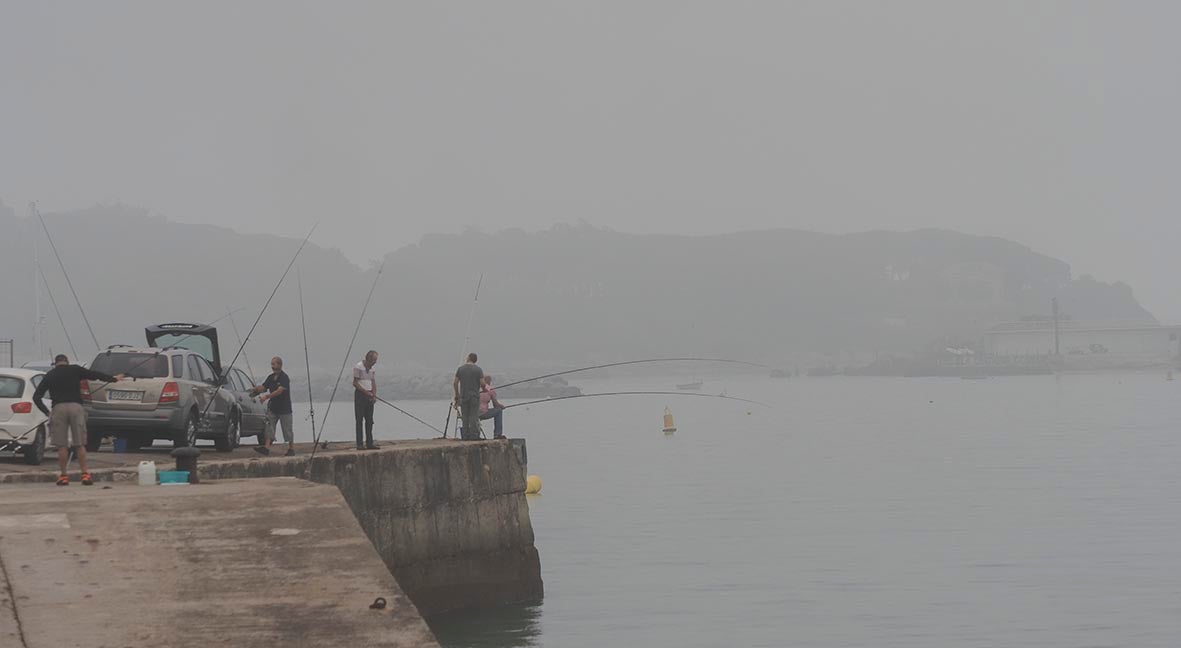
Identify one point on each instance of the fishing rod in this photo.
(347, 354)
(467, 336)
(632, 362)
(242, 347)
(306, 361)
(33, 208)
(57, 310)
(382, 400)
(637, 393)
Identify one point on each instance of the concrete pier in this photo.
(449, 519)
(263, 562)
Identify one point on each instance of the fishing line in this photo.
(234, 325)
(637, 393)
(382, 400)
(632, 362)
(217, 387)
(467, 336)
(347, 354)
(57, 310)
(306, 361)
(33, 208)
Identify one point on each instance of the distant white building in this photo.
(1095, 343)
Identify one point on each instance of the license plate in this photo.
(132, 396)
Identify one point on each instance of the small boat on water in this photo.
(693, 386)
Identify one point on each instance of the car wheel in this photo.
(188, 435)
(35, 453)
(232, 436)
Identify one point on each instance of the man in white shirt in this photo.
(364, 396)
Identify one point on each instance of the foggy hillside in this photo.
(564, 295)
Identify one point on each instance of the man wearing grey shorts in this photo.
(67, 421)
(278, 400)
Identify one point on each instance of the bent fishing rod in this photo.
(217, 386)
(467, 336)
(52, 245)
(631, 362)
(637, 393)
(347, 354)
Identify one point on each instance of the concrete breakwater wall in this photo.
(449, 519)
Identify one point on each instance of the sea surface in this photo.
(878, 512)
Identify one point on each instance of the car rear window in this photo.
(132, 365)
(11, 387)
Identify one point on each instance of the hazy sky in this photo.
(1051, 123)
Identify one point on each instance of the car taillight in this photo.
(170, 393)
(85, 385)
(22, 408)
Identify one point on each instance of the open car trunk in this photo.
(199, 338)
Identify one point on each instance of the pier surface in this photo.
(448, 519)
(254, 562)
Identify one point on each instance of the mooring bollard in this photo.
(186, 459)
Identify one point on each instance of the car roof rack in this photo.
(118, 346)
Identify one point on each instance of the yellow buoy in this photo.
(669, 425)
(532, 485)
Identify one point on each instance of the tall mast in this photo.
(39, 321)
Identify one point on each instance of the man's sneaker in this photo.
(371, 446)
(86, 480)
(290, 452)
(262, 450)
(64, 480)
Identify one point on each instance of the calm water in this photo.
(858, 512)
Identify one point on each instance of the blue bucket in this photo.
(120, 445)
(174, 476)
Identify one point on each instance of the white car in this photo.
(23, 428)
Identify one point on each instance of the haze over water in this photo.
(858, 512)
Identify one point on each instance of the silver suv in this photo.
(166, 394)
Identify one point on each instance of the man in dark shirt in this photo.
(278, 400)
(67, 421)
(468, 379)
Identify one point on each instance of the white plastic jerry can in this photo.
(147, 473)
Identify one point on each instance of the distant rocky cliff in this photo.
(561, 297)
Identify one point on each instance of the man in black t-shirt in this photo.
(278, 400)
(67, 421)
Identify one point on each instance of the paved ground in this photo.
(105, 463)
(260, 562)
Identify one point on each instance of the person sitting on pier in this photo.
(495, 412)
